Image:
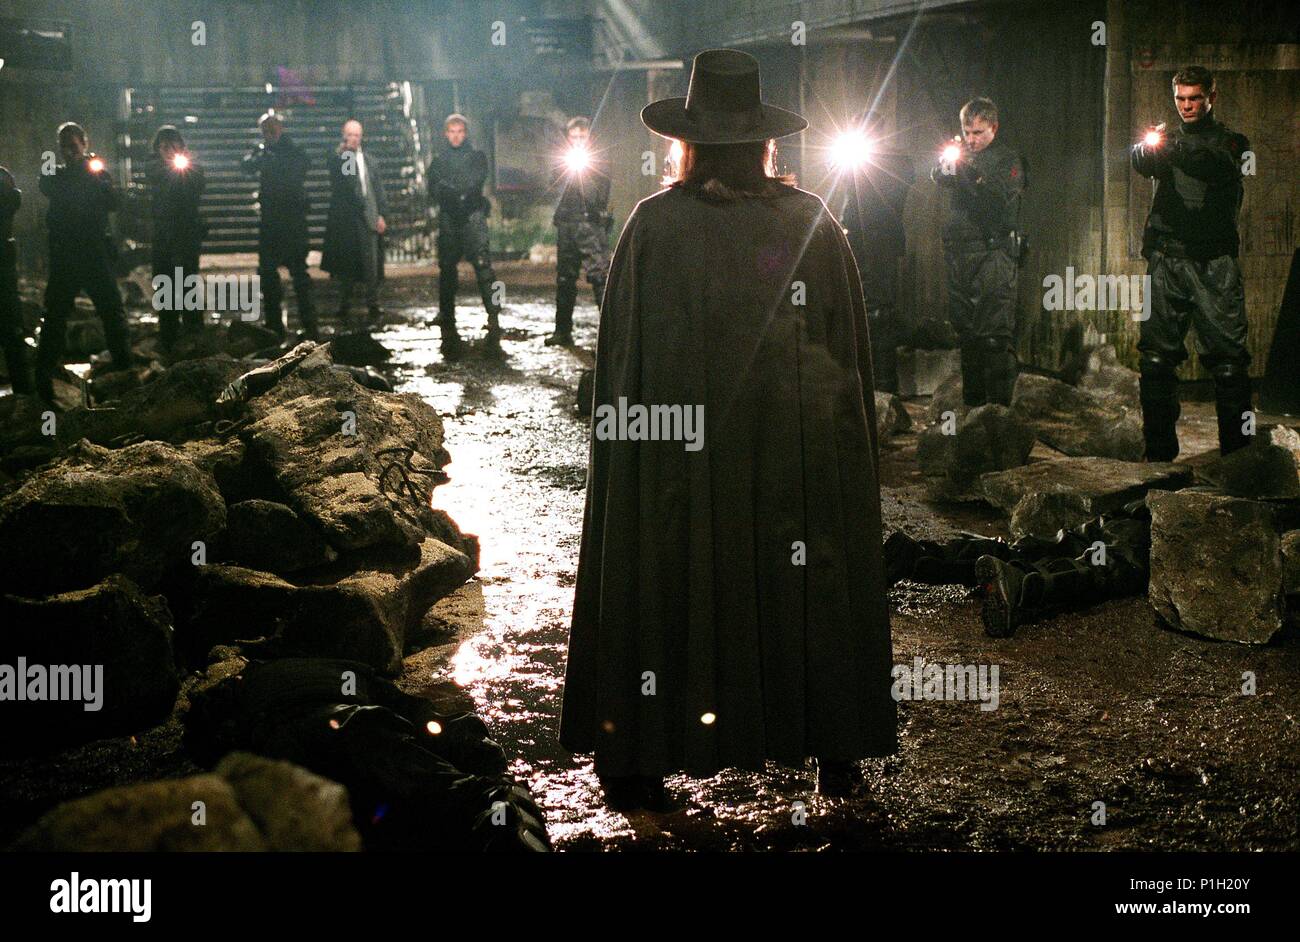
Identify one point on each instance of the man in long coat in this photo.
(281, 167)
(730, 604)
(354, 228)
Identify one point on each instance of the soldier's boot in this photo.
(16, 363)
(1017, 593)
(884, 354)
(451, 345)
(1232, 402)
(1000, 371)
(1158, 393)
(1003, 588)
(566, 295)
(972, 373)
(486, 282)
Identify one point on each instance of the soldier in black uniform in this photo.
(81, 194)
(1190, 244)
(282, 168)
(582, 222)
(457, 173)
(176, 185)
(873, 217)
(1106, 557)
(982, 245)
(11, 328)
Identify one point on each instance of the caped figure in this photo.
(82, 254)
(11, 326)
(873, 216)
(730, 605)
(175, 187)
(582, 222)
(281, 167)
(1026, 580)
(982, 245)
(1190, 243)
(354, 229)
(457, 173)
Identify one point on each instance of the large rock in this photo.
(953, 455)
(1076, 422)
(920, 372)
(298, 431)
(363, 615)
(136, 511)
(122, 635)
(1290, 546)
(1216, 566)
(1266, 468)
(249, 804)
(359, 348)
(1106, 377)
(1092, 486)
(891, 416)
(261, 534)
(947, 398)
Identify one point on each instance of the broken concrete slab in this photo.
(358, 464)
(1216, 566)
(363, 615)
(921, 372)
(1076, 422)
(122, 636)
(249, 803)
(1105, 376)
(954, 453)
(263, 534)
(137, 510)
(1091, 485)
(1265, 469)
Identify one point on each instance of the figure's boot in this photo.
(453, 348)
(838, 778)
(1000, 371)
(1004, 584)
(16, 363)
(1232, 400)
(566, 296)
(901, 554)
(972, 374)
(1160, 410)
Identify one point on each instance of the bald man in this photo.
(354, 229)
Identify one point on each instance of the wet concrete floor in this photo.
(1100, 706)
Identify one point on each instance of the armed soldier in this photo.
(176, 186)
(457, 173)
(1190, 243)
(982, 244)
(11, 328)
(582, 222)
(282, 168)
(81, 194)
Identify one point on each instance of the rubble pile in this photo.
(175, 527)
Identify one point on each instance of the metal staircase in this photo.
(220, 126)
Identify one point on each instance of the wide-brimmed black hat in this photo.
(722, 105)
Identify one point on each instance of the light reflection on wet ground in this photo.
(1073, 726)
